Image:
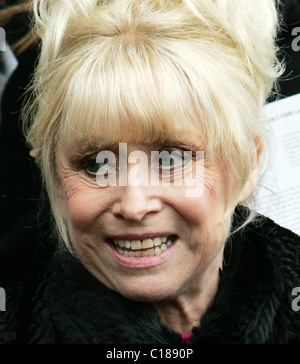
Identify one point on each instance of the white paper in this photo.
(278, 195)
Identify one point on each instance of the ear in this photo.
(253, 179)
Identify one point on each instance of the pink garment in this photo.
(187, 337)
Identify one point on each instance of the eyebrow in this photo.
(86, 147)
(90, 146)
(183, 143)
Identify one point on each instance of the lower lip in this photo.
(142, 262)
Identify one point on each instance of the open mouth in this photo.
(143, 248)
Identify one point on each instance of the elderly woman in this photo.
(145, 119)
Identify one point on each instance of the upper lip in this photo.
(149, 235)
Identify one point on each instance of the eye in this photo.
(171, 158)
(91, 166)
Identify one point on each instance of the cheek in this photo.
(78, 196)
(207, 210)
(80, 210)
(209, 226)
(82, 205)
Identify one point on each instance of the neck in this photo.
(185, 311)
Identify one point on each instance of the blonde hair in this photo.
(110, 66)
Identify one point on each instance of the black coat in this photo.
(55, 300)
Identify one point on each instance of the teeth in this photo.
(157, 251)
(136, 245)
(144, 248)
(147, 243)
(121, 243)
(157, 241)
(163, 247)
(151, 252)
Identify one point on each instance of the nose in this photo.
(135, 203)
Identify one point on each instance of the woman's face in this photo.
(148, 243)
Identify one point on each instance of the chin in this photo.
(151, 295)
